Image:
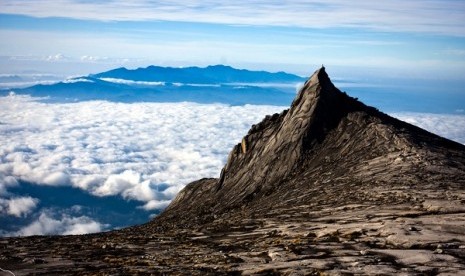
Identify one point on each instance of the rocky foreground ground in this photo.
(420, 237)
(330, 187)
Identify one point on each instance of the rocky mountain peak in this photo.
(325, 139)
(276, 146)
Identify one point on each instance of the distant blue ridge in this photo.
(226, 85)
(216, 74)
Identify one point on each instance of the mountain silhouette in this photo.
(212, 84)
(329, 186)
(214, 74)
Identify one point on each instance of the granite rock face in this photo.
(330, 186)
(326, 141)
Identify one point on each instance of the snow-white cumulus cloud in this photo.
(6, 181)
(433, 16)
(18, 206)
(46, 224)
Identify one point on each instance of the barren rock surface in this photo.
(351, 239)
(329, 186)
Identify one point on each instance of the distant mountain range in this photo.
(228, 85)
(216, 74)
(212, 84)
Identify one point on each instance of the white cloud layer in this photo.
(432, 16)
(5, 182)
(131, 82)
(142, 151)
(66, 225)
(446, 125)
(18, 206)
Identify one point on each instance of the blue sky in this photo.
(413, 38)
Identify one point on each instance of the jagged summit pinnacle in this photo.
(275, 147)
(325, 137)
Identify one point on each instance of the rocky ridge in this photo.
(329, 186)
(326, 141)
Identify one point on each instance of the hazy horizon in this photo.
(412, 39)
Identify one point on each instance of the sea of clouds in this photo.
(145, 151)
(142, 151)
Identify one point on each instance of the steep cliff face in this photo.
(326, 141)
(275, 148)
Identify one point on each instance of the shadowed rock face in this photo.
(326, 141)
(329, 185)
